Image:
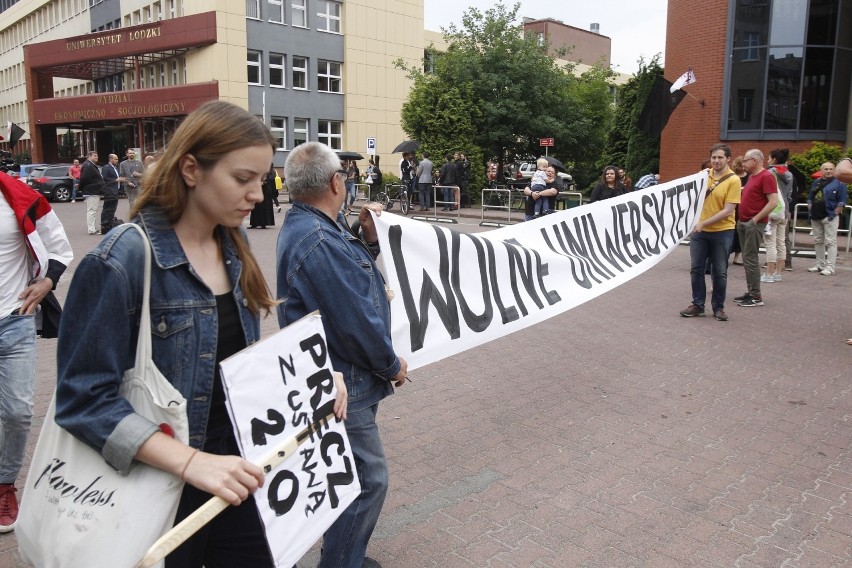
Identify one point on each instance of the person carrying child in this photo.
(539, 183)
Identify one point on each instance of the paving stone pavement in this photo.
(618, 434)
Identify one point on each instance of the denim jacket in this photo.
(99, 329)
(322, 266)
(835, 194)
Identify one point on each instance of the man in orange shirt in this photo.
(74, 172)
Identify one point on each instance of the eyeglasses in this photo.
(344, 173)
(749, 160)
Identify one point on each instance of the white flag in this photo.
(687, 78)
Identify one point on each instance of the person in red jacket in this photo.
(34, 252)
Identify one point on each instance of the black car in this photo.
(52, 181)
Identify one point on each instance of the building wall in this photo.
(376, 33)
(585, 46)
(696, 35)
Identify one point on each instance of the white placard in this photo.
(275, 389)
(371, 146)
(454, 291)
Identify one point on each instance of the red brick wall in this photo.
(585, 46)
(696, 34)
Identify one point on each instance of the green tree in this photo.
(495, 92)
(628, 146)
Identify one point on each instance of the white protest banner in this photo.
(454, 291)
(275, 389)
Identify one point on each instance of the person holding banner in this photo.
(713, 234)
(207, 296)
(323, 266)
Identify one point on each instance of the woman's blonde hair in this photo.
(213, 130)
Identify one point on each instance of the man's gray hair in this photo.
(309, 168)
(756, 154)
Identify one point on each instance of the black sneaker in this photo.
(692, 311)
(740, 299)
(751, 302)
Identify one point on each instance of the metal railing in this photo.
(804, 206)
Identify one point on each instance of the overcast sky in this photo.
(636, 28)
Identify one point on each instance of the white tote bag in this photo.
(76, 510)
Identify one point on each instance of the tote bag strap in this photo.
(143, 344)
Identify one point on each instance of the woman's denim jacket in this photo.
(99, 329)
(322, 266)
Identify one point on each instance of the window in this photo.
(147, 14)
(276, 11)
(174, 72)
(299, 14)
(141, 77)
(276, 70)
(328, 75)
(158, 11)
(329, 16)
(300, 131)
(330, 133)
(253, 68)
(751, 40)
(300, 73)
(253, 9)
(785, 77)
(162, 74)
(279, 131)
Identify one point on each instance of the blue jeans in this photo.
(449, 197)
(74, 185)
(17, 381)
(715, 246)
(345, 542)
(425, 194)
(352, 193)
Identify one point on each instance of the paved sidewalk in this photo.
(643, 439)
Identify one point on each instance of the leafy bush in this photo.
(811, 159)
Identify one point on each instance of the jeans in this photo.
(751, 237)
(92, 204)
(75, 183)
(825, 241)
(345, 542)
(714, 246)
(17, 382)
(425, 194)
(352, 193)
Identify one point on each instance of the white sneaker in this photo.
(767, 278)
(816, 268)
(776, 278)
(827, 272)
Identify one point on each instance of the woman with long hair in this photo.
(608, 186)
(207, 297)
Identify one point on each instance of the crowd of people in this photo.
(208, 295)
(750, 205)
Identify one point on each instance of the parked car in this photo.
(52, 181)
(526, 169)
(21, 171)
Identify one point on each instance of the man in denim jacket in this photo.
(826, 200)
(323, 266)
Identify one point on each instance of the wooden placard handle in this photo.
(207, 512)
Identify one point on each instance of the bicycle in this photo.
(391, 194)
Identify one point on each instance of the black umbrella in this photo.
(555, 163)
(407, 146)
(343, 155)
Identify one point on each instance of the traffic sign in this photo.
(545, 141)
(371, 146)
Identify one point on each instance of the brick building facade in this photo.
(707, 37)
